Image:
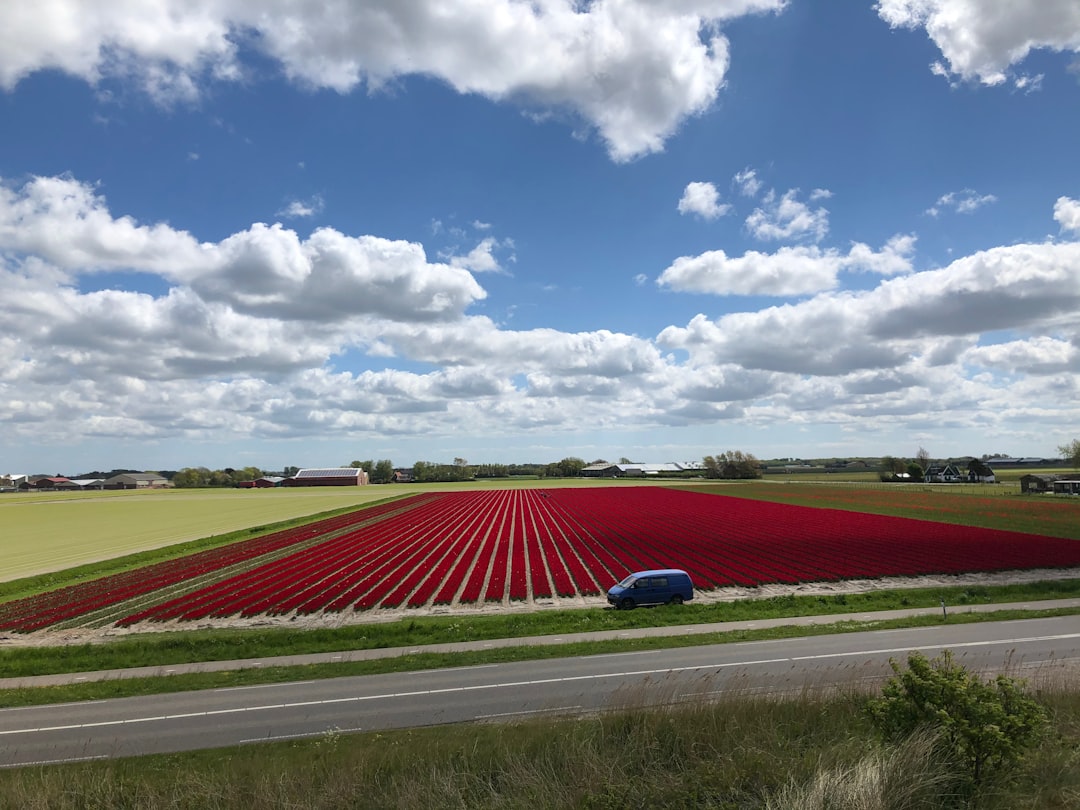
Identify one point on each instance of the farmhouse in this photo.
(136, 481)
(943, 474)
(332, 477)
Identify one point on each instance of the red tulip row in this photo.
(470, 547)
(54, 607)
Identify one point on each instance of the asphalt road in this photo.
(206, 719)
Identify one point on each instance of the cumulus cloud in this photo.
(788, 218)
(703, 200)
(1067, 214)
(480, 259)
(934, 315)
(634, 70)
(790, 271)
(265, 270)
(982, 39)
(961, 202)
(245, 337)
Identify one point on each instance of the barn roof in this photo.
(331, 472)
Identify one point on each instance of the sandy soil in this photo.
(43, 638)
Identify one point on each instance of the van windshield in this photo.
(628, 582)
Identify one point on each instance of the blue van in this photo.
(665, 586)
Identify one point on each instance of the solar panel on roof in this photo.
(337, 472)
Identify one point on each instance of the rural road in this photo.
(193, 720)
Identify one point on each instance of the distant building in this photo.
(1066, 486)
(136, 481)
(328, 477)
(943, 474)
(1038, 482)
(672, 468)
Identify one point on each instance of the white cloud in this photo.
(634, 70)
(301, 209)
(747, 182)
(982, 39)
(1067, 214)
(787, 218)
(933, 315)
(480, 259)
(1038, 355)
(247, 339)
(265, 269)
(703, 200)
(790, 271)
(962, 202)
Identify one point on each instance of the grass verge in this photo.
(740, 751)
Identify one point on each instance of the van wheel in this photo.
(627, 604)
(676, 599)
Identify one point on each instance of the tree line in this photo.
(730, 464)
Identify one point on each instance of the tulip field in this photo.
(529, 545)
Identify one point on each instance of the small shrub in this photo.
(987, 726)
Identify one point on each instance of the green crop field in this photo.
(52, 531)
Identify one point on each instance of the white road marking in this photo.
(519, 684)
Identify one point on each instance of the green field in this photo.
(54, 531)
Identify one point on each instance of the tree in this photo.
(712, 467)
(979, 469)
(382, 472)
(732, 464)
(1071, 452)
(461, 469)
(923, 458)
(986, 725)
(892, 465)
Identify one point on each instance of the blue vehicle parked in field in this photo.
(663, 586)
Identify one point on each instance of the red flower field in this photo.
(523, 545)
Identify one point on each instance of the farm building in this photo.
(12, 481)
(639, 470)
(51, 482)
(1037, 482)
(332, 477)
(1067, 486)
(136, 481)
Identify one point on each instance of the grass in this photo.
(740, 751)
(165, 649)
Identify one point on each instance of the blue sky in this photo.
(509, 231)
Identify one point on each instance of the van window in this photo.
(659, 582)
(642, 583)
(628, 582)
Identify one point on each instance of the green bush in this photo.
(985, 725)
